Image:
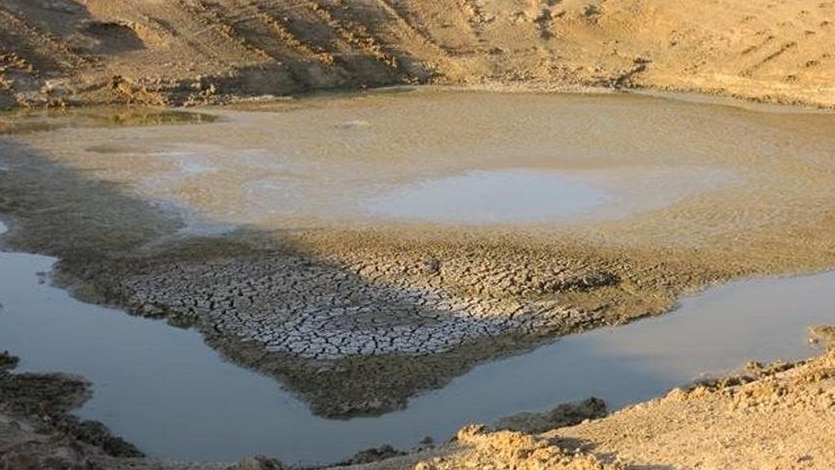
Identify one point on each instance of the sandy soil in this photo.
(769, 417)
(62, 52)
(189, 52)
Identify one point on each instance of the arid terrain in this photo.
(772, 416)
(356, 317)
(58, 52)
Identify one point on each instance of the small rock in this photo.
(374, 455)
(432, 266)
(471, 430)
(258, 463)
(7, 361)
(677, 394)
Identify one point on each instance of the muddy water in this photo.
(165, 390)
(484, 197)
(441, 157)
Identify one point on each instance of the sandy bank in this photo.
(729, 423)
(97, 51)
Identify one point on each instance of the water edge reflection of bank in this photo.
(165, 390)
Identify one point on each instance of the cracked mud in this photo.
(357, 318)
(330, 310)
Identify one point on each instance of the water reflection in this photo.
(29, 121)
(165, 390)
(490, 197)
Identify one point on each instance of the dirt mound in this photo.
(726, 423)
(512, 450)
(190, 52)
(729, 424)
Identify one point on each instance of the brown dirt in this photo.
(35, 423)
(63, 52)
(55, 52)
(777, 421)
(773, 417)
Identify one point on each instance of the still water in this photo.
(482, 197)
(163, 389)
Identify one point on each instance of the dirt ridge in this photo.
(71, 52)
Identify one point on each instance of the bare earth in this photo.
(771, 417)
(196, 51)
(191, 52)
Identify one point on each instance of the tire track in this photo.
(784, 48)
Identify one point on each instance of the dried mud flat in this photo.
(356, 320)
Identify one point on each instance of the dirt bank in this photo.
(727, 423)
(37, 431)
(55, 52)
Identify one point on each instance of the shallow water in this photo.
(481, 197)
(519, 159)
(452, 158)
(165, 390)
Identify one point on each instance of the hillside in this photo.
(196, 51)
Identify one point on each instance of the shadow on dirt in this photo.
(102, 236)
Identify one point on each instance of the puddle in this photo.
(490, 197)
(550, 161)
(163, 389)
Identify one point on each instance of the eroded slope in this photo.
(194, 51)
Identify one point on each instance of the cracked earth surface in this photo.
(357, 314)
